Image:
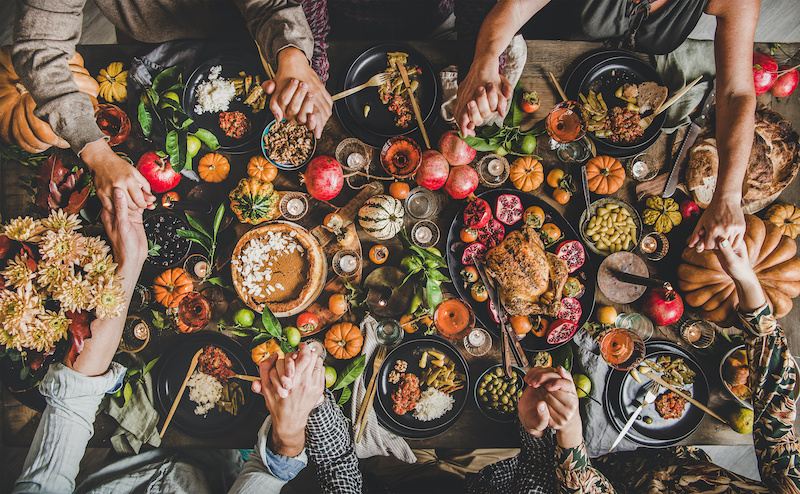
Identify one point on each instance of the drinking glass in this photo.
(113, 122)
(565, 122)
(573, 152)
(621, 349)
(193, 311)
(389, 333)
(454, 319)
(401, 157)
(421, 203)
(637, 323)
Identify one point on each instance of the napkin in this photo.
(515, 57)
(376, 440)
(598, 432)
(138, 419)
(683, 65)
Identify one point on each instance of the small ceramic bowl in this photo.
(483, 406)
(746, 403)
(285, 166)
(605, 201)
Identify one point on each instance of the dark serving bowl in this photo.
(483, 400)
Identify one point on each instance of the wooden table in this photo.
(472, 430)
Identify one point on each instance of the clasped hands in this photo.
(550, 400)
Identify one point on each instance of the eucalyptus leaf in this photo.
(218, 220)
(351, 372)
(271, 323)
(145, 119)
(208, 139)
(346, 394)
(198, 226)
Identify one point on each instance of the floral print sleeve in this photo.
(773, 375)
(575, 473)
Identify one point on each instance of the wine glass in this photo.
(566, 122)
(622, 349)
(454, 319)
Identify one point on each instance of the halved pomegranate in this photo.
(473, 250)
(560, 331)
(491, 234)
(477, 214)
(573, 253)
(493, 311)
(509, 209)
(571, 309)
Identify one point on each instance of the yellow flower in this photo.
(17, 272)
(109, 299)
(100, 265)
(96, 246)
(48, 328)
(63, 246)
(59, 220)
(50, 274)
(18, 310)
(23, 229)
(74, 293)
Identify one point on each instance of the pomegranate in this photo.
(764, 72)
(491, 234)
(689, 208)
(509, 209)
(473, 250)
(456, 149)
(573, 253)
(432, 173)
(462, 181)
(560, 331)
(493, 311)
(570, 310)
(477, 214)
(323, 178)
(663, 307)
(785, 84)
(157, 170)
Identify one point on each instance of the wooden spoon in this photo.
(192, 367)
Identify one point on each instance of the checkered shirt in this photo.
(329, 444)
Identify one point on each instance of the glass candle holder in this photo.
(346, 263)
(493, 170)
(135, 335)
(421, 203)
(317, 347)
(637, 323)
(294, 205)
(113, 122)
(141, 298)
(478, 342)
(425, 234)
(654, 246)
(353, 154)
(698, 333)
(401, 157)
(197, 267)
(565, 122)
(389, 333)
(642, 167)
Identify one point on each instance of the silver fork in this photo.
(375, 80)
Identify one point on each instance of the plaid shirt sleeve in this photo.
(330, 445)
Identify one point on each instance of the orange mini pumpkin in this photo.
(264, 350)
(260, 167)
(213, 168)
(344, 340)
(526, 173)
(605, 174)
(170, 285)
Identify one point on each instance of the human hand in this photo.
(112, 172)
(558, 392)
(532, 411)
(482, 93)
(297, 93)
(125, 231)
(723, 219)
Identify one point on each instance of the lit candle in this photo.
(476, 338)
(140, 331)
(295, 206)
(201, 269)
(355, 160)
(692, 333)
(495, 167)
(423, 234)
(640, 169)
(649, 244)
(348, 263)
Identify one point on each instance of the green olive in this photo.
(481, 392)
(648, 420)
(484, 399)
(488, 377)
(504, 399)
(504, 386)
(512, 390)
(498, 371)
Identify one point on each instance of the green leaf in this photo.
(346, 393)
(259, 339)
(202, 240)
(218, 220)
(167, 78)
(271, 323)
(127, 392)
(185, 124)
(208, 139)
(150, 365)
(431, 256)
(286, 347)
(408, 276)
(172, 147)
(238, 332)
(351, 372)
(434, 293)
(145, 119)
(479, 144)
(436, 275)
(152, 95)
(198, 226)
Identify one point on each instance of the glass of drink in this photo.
(192, 312)
(478, 342)
(389, 333)
(622, 349)
(565, 122)
(401, 157)
(113, 122)
(421, 203)
(454, 319)
(638, 323)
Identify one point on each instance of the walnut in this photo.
(401, 366)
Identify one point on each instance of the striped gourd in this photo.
(381, 216)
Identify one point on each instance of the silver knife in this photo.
(648, 398)
(688, 141)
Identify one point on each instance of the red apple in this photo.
(689, 208)
(455, 149)
(786, 83)
(764, 72)
(157, 170)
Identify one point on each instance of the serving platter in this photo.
(604, 72)
(619, 399)
(586, 274)
(170, 371)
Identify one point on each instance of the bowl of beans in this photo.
(612, 225)
(497, 395)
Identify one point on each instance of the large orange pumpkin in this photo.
(18, 125)
(706, 285)
(170, 285)
(604, 174)
(344, 340)
(213, 168)
(260, 167)
(526, 173)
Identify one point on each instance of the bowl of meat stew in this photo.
(286, 145)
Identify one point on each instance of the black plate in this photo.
(231, 64)
(379, 123)
(411, 352)
(604, 72)
(587, 273)
(171, 371)
(620, 393)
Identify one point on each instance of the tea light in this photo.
(649, 244)
(692, 333)
(495, 167)
(201, 269)
(355, 160)
(295, 206)
(423, 234)
(348, 263)
(140, 331)
(476, 338)
(640, 169)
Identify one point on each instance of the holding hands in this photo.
(482, 93)
(723, 220)
(550, 400)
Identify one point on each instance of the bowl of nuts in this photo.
(612, 225)
(286, 145)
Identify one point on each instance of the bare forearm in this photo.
(751, 295)
(735, 123)
(502, 23)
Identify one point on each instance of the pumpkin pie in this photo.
(279, 265)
